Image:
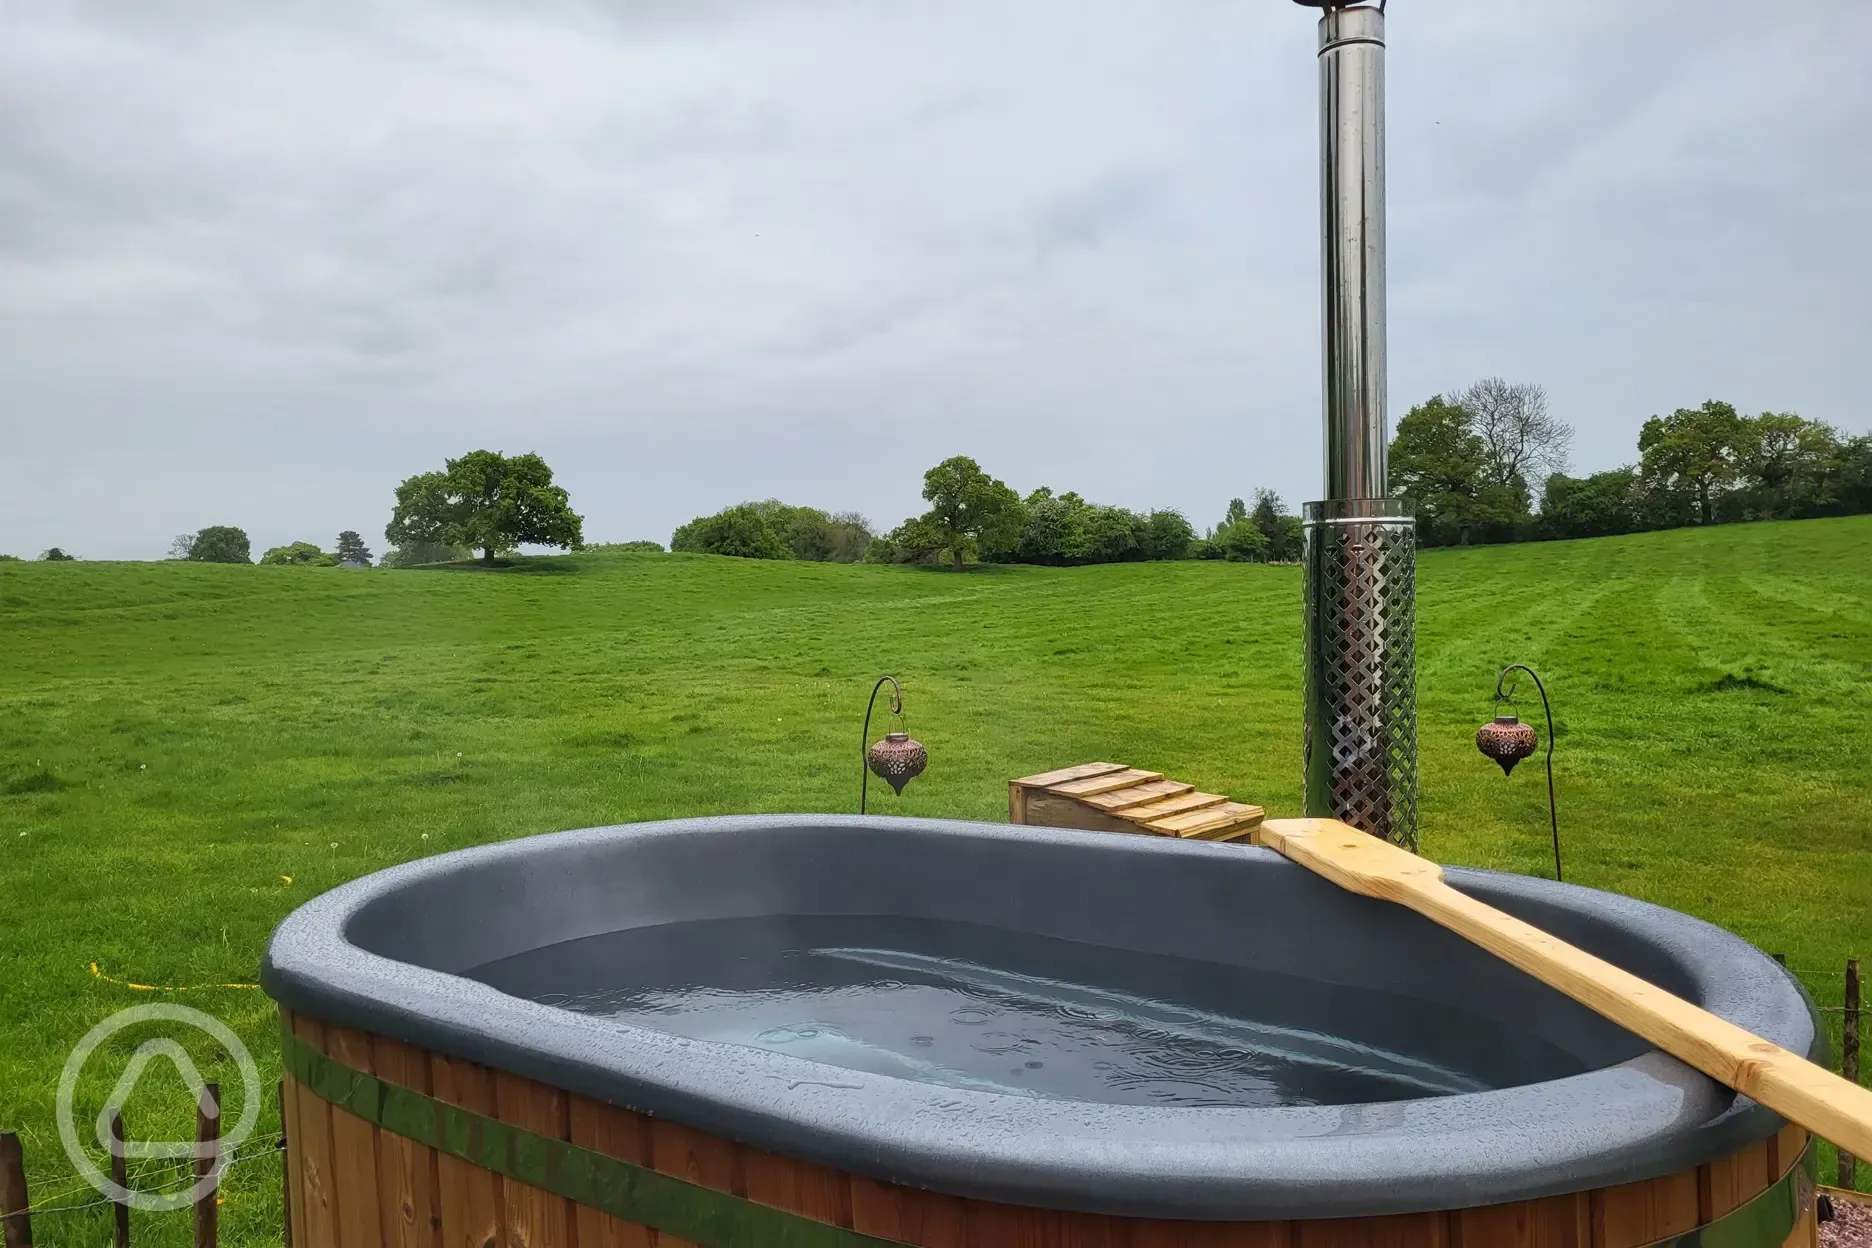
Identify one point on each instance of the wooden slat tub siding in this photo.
(530, 1216)
(433, 1201)
(616, 1133)
(686, 1154)
(926, 1219)
(1643, 1213)
(1169, 1234)
(317, 1212)
(294, 1159)
(354, 1151)
(1728, 1183)
(1416, 1230)
(802, 1187)
(406, 1170)
(1555, 1222)
(470, 1196)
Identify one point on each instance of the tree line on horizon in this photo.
(1468, 463)
(1471, 464)
(974, 516)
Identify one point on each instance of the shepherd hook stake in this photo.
(1505, 693)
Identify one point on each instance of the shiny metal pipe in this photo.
(1359, 553)
(1352, 249)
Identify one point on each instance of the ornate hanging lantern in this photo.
(898, 759)
(1507, 741)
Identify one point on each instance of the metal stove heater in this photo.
(1360, 547)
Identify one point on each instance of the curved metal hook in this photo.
(895, 707)
(1506, 694)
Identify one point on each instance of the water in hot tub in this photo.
(966, 1006)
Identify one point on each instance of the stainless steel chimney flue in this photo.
(1360, 549)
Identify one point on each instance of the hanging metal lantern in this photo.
(898, 759)
(1507, 741)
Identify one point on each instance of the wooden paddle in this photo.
(1789, 1084)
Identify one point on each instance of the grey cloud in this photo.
(258, 264)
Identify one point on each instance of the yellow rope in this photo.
(97, 974)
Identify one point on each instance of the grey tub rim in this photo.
(1636, 1120)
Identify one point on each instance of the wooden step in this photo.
(1138, 795)
(1112, 797)
(1047, 779)
(1212, 823)
(1181, 804)
(1111, 782)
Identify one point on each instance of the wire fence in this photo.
(155, 1179)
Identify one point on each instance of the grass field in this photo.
(189, 751)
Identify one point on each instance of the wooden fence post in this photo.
(1849, 1060)
(120, 1175)
(207, 1132)
(14, 1220)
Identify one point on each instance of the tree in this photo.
(1281, 530)
(1690, 456)
(10, 559)
(1787, 468)
(1437, 462)
(1239, 542)
(417, 554)
(1522, 442)
(299, 555)
(1168, 534)
(181, 547)
(970, 511)
(486, 501)
(1853, 476)
(622, 548)
(221, 543)
(774, 530)
(351, 548)
(744, 531)
(1236, 513)
(55, 555)
(1601, 505)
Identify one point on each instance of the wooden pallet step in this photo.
(1209, 822)
(1121, 801)
(1047, 779)
(1108, 783)
(1243, 832)
(1181, 804)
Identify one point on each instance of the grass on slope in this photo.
(189, 751)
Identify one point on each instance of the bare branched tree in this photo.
(182, 547)
(1520, 437)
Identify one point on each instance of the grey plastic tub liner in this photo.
(385, 953)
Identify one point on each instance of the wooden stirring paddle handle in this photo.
(1785, 1082)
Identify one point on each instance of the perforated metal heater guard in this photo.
(1359, 582)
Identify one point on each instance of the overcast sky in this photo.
(259, 262)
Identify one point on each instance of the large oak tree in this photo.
(488, 502)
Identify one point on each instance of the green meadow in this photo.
(188, 751)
